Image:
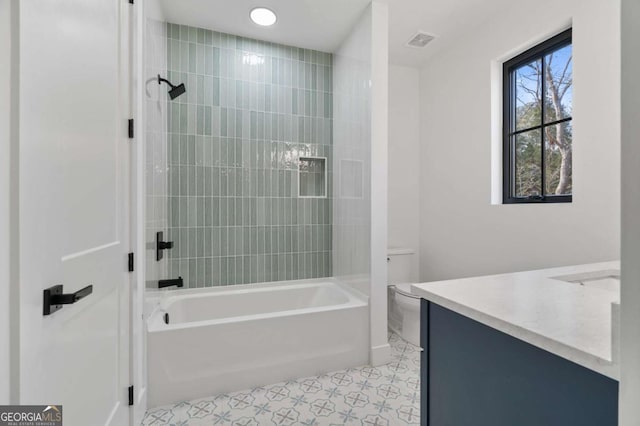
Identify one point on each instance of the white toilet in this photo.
(403, 307)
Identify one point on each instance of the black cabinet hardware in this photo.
(54, 298)
(162, 245)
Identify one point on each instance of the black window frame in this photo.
(537, 52)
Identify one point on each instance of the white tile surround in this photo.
(360, 99)
(352, 158)
(155, 104)
(387, 395)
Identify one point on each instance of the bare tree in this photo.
(557, 89)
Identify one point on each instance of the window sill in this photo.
(558, 199)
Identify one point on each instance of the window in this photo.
(538, 95)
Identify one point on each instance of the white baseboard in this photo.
(380, 355)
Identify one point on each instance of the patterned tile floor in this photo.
(388, 395)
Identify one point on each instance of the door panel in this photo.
(73, 208)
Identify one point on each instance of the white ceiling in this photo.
(323, 24)
(448, 20)
(312, 24)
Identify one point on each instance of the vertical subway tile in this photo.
(193, 34)
(232, 151)
(192, 58)
(200, 120)
(208, 272)
(208, 61)
(223, 121)
(207, 120)
(216, 91)
(200, 59)
(184, 56)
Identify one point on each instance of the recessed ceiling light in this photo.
(263, 16)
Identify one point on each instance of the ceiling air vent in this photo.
(420, 40)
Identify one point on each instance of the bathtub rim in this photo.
(160, 298)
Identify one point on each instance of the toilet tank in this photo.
(401, 266)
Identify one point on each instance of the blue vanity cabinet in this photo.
(474, 375)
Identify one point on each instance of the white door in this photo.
(74, 219)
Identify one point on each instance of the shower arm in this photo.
(164, 80)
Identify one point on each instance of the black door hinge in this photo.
(131, 128)
(132, 264)
(131, 395)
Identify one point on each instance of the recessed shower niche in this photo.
(312, 177)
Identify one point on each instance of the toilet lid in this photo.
(404, 287)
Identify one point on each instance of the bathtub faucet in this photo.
(168, 283)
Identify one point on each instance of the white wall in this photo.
(404, 159)
(9, 246)
(5, 117)
(462, 233)
(380, 349)
(630, 291)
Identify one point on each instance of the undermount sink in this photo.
(607, 279)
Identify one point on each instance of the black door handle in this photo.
(54, 298)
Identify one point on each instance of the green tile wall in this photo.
(251, 110)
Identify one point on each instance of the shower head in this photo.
(175, 91)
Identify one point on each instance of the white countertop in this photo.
(577, 322)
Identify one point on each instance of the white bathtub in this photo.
(226, 339)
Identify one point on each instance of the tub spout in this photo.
(168, 283)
